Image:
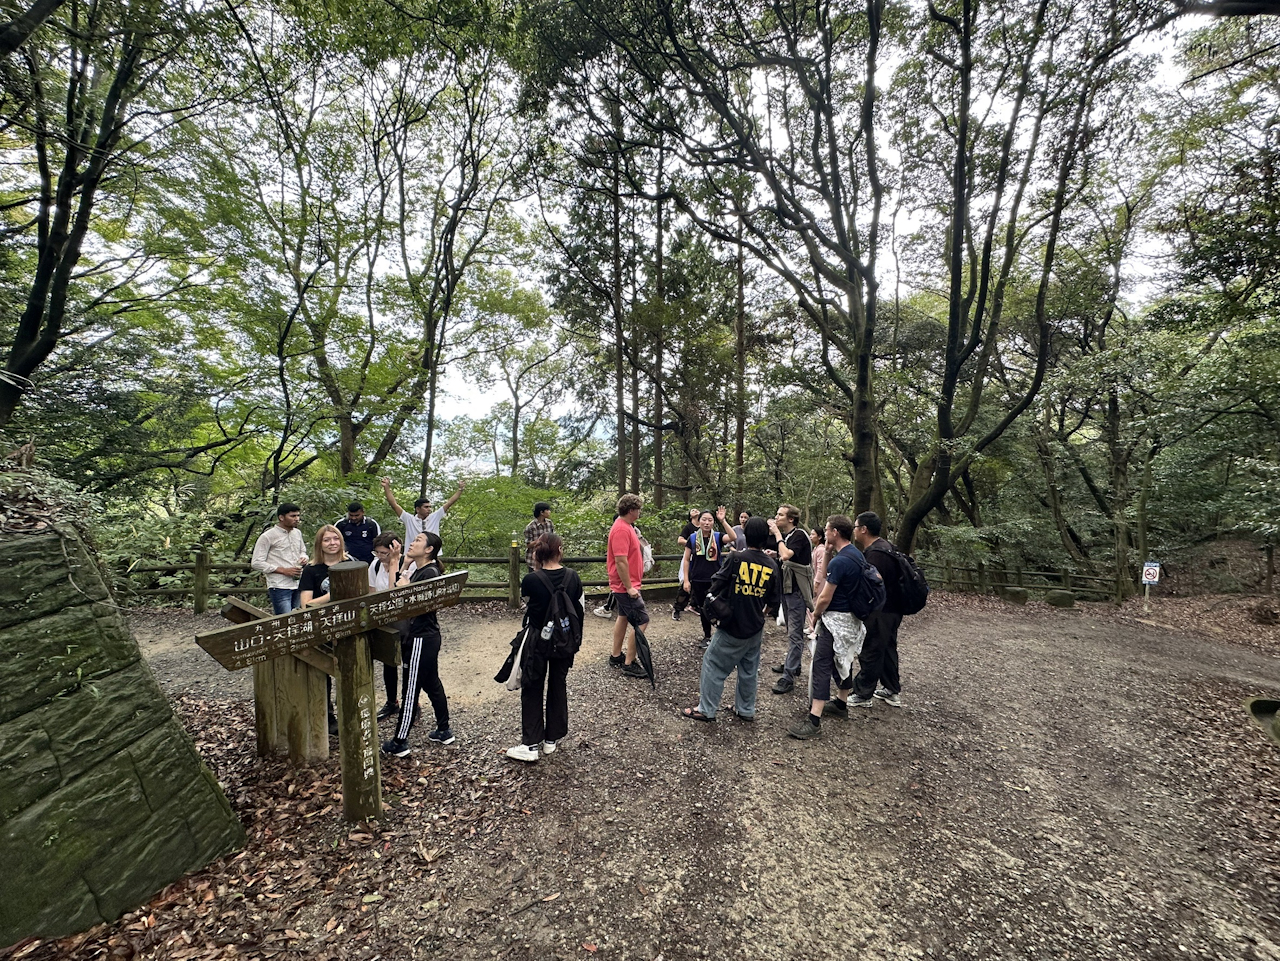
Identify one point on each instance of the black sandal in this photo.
(693, 714)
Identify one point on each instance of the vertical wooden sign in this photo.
(357, 704)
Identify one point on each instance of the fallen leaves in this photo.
(301, 865)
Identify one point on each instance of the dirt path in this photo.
(1059, 784)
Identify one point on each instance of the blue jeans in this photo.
(283, 599)
(726, 653)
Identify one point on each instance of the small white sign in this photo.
(1151, 573)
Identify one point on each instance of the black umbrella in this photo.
(643, 654)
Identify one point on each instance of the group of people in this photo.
(733, 576)
(298, 578)
(737, 576)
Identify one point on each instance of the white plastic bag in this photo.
(513, 682)
(847, 634)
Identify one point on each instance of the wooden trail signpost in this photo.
(288, 642)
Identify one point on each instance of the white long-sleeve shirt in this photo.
(277, 547)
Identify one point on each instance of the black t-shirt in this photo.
(705, 556)
(751, 582)
(314, 578)
(424, 624)
(540, 598)
(686, 531)
(801, 547)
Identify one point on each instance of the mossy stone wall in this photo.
(103, 798)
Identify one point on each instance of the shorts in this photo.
(632, 608)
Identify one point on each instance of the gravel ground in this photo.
(1059, 784)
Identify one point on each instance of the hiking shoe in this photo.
(886, 695)
(333, 725)
(396, 747)
(675, 614)
(785, 685)
(856, 701)
(548, 747)
(523, 752)
(602, 611)
(706, 642)
(836, 708)
(779, 669)
(617, 660)
(387, 710)
(634, 670)
(443, 735)
(806, 730)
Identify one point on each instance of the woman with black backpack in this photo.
(553, 621)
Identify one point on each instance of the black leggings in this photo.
(422, 672)
(698, 591)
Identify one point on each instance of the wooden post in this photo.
(1271, 572)
(266, 717)
(1066, 579)
(513, 595)
(290, 699)
(201, 588)
(357, 704)
(982, 577)
(946, 574)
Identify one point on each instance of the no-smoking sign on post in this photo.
(1150, 575)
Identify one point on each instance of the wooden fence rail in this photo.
(244, 581)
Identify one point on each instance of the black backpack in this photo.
(561, 636)
(869, 593)
(911, 593)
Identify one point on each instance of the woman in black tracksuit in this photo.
(421, 652)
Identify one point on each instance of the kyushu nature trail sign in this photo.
(245, 645)
(346, 623)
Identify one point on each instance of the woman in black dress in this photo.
(545, 716)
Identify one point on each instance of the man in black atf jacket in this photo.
(750, 584)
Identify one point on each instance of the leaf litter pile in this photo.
(306, 879)
(1078, 783)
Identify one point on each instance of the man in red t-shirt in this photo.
(626, 568)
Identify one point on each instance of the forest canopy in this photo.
(1001, 271)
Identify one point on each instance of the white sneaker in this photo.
(602, 611)
(548, 747)
(522, 752)
(886, 695)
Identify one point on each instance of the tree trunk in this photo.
(660, 285)
(739, 375)
(619, 372)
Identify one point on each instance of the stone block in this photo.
(43, 573)
(1014, 595)
(53, 656)
(54, 843)
(28, 769)
(103, 797)
(103, 717)
(1060, 598)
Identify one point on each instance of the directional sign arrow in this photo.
(245, 645)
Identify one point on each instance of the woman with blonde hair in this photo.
(329, 548)
(313, 587)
